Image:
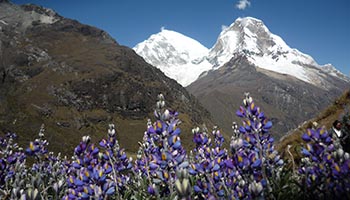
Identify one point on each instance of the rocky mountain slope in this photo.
(247, 57)
(75, 79)
(284, 98)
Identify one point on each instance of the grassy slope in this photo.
(335, 111)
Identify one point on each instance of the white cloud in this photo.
(162, 28)
(243, 4)
(223, 27)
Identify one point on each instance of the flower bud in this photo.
(255, 187)
(162, 103)
(183, 188)
(340, 152)
(160, 96)
(111, 130)
(241, 183)
(86, 139)
(100, 155)
(166, 114)
(237, 143)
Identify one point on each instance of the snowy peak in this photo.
(170, 48)
(264, 49)
(250, 36)
(175, 54)
(246, 35)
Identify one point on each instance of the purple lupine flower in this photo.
(253, 153)
(151, 190)
(323, 166)
(161, 152)
(98, 172)
(33, 148)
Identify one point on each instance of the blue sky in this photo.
(320, 28)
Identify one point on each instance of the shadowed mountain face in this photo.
(287, 101)
(75, 79)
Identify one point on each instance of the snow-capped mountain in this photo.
(183, 58)
(178, 56)
(250, 37)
